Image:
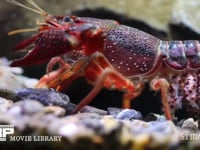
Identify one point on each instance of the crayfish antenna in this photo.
(22, 30)
(36, 8)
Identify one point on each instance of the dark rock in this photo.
(47, 97)
(8, 94)
(90, 109)
(69, 108)
(154, 117)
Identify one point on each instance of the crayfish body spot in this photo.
(131, 51)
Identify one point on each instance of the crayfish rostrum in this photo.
(113, 56)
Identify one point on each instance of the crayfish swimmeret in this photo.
(113, 56)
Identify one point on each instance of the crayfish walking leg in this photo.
(98, 71)
(163, 85)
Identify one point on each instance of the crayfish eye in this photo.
(67, 19)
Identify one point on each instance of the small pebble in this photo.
(58, 111)
(5, 104)
(190, 125)
(90, 109)
(123, 114)
(28, 107)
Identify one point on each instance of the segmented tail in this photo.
(180, 55)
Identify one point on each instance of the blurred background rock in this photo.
(165, 19)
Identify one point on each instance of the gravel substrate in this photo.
(45, 119)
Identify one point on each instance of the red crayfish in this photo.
(113, 56)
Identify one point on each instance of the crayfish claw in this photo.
(54, 61)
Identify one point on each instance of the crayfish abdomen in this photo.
(183, 59)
